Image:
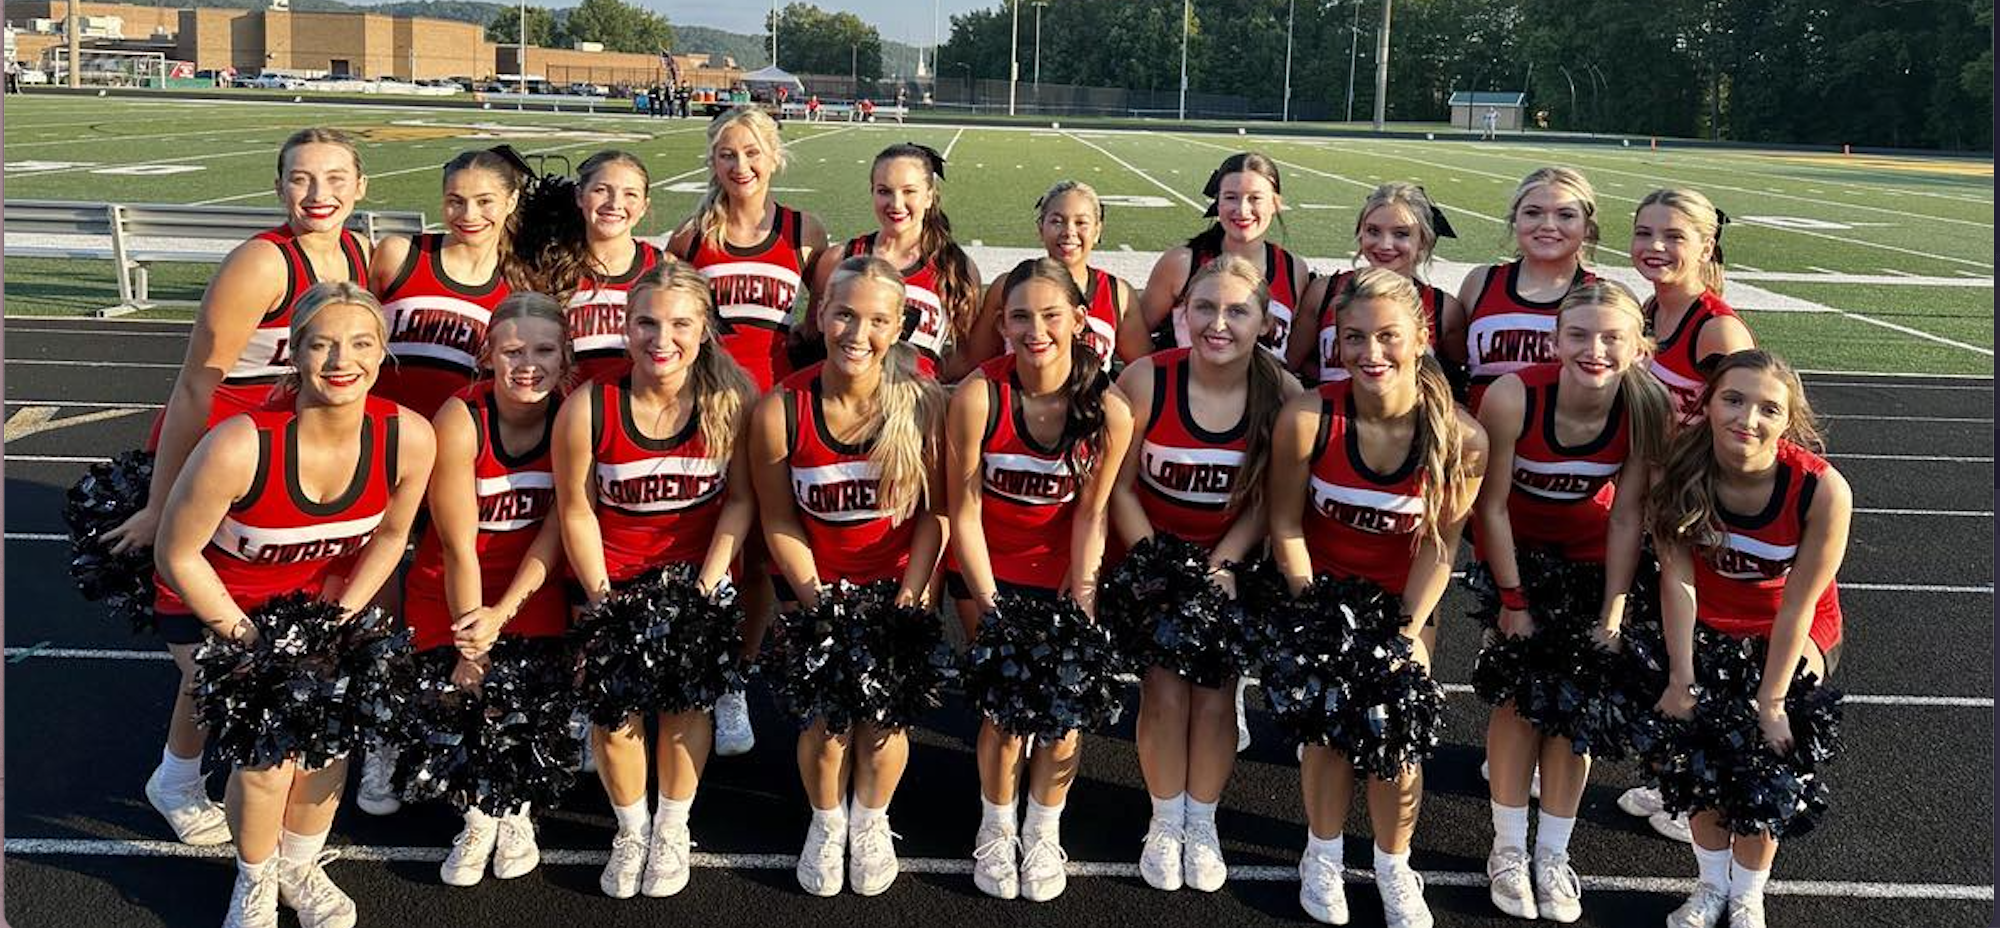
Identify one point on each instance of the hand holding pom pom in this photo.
(111, 561)
(657, 645)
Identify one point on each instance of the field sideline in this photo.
(1862, 264)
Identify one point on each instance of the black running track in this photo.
(1909, 841)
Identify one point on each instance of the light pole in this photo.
(1290, 7)
(1013, 57)
(971, 94)
(1353, 46)
(854, 67)
(1572, 94)
(774, 33)
(1038, 50)
(522, 65)
(1382, 68)
(1187, 14)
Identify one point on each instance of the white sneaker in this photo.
(733, 734)
(305, 888)
(871, 858)
(1671, 827)
(377, 795)
(1160, 862)
(1044, 874)
(196, 819)
(1642, 802)
(1322, 889)
(620, 879)
(1403, 903)
(1507, 882)
(823, 860)
(1556, 884)
(994, 868)
(254, 903)
(466, 864)
(1534, 782)
(1202, 868)
(667, 862)
(1703, 909)
(1747, 911)
(517, 854)
(1242, 721)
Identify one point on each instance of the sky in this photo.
(902, 20)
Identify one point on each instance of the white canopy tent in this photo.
(772, 76)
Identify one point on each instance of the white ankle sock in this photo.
(1387, 864)
(1043, 820)
(1334, 848)
(860, 817)
(1510, 826)
(631, 819)
(1552, 833)
(179, 771)
(833, 820)
(1171, 810)
(996, 815)
(672, 812)
(1745, 882)
(300, 849)
(1199, 812)
(1713, 865)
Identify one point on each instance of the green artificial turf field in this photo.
(1861, 263)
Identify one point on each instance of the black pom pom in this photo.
(313, 687)
(1041, 668)
(1337, 671)
(658, 645)
(108, 494)
(1163, 610)
(1558, 679)
(859, 657)
(1719, 761)
(496, 745)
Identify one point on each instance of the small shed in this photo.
(1469, 107)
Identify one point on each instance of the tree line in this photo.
(1897, 73)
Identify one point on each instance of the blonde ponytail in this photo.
(905, 446)
(1441, 449)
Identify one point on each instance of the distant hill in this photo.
(750, 51)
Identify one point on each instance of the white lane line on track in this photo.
(1809, 373)
(1918, 588)
(1931, 458)
(46, 362)
(1967, 513)
(1905, 386)
(79, 404)
(18, 654)
(1860, 417)
(564, 857)
(1127, 165)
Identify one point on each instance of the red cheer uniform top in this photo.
(1187, 473)
(926, 325)
(1102, 305)
(1027, 494)
(1330, 368)
(515, 494)
(274, 540)
(754, 289)
(1359, 523)
(1285, 292)
(1738, 586)
(1507, 331)
(1561, 494)
(1674, 361)
(835, 487)
(658, 499)
(267, 355)
(597, 318)
(436, 327)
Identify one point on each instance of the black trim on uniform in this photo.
(776, 234)
(355, 484)
(295, 259)
(256, 490)
(457, 286)
(1808, 485)
(1360, 464)
(392, 432)
(630, 273)
(500, 452)
(357, 258)
(1186, 410)
(992, 412)
(1514, 291)
(1323, 432)
(1019, 413)
(409, 267)
(825, 433)
(1779, 485)
(791, 422)
(597, 417)
(1613, 420)
(688, 431)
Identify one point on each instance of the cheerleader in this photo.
(1372, 477)
(1070, 219)
(646, 475)
(1569, 434)
(1751, 524)
(940, 282)
(1506, 313)
(439, 288)
(1034, 437)
(844, 457)
(315, 496)
(1398, 229)
(584, 252)
(1245, 189)
(1677, 245)
(237, 349)
(488, 564)
(753, 251)
(1196, 469)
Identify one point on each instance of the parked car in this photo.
(33, 76)
(272, 82)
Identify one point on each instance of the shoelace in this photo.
(471, 838)
(873, 840)
(998, 844)
(1202, 835)
(1325, 877)
(263, 891)
(1161, 834)
(513, 834)
(1043, 853)
(1557, 874)
(1510, 861)
(315, 886)
(830, 849)
(626, 847)
(669, 846)
(1403, 888)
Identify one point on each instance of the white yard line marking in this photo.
(565, 857)
(34, 420)
(1918, 333)
(948, 146)
(102, 139)
(1127, 165)
(211, 156)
